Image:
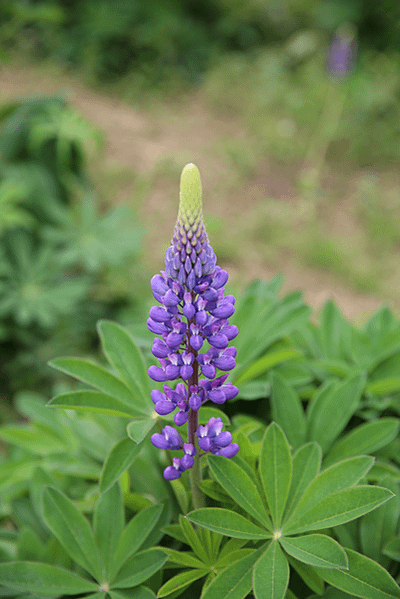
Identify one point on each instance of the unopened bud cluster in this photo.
(194, 311)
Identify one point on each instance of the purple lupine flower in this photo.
(213, 439)
(342, 52)
(193, 311)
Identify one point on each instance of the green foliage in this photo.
(58, 250)
(310, 504)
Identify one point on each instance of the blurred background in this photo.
(290, 109)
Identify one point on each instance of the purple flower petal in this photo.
(159, 441)
(157, 374)
(230, 451)
(218, 340)
(159, 314)
(164, 407)
(217, 396)
(171, 473)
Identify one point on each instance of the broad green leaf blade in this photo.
(135, 534)
(136, 593)
(108, 524)
(334, 410)
(227, 523)
(271, 574)
(34, 438)
(265, 363)
(287, 410)
(275, 470)
(138, 429)
(392, 549)
(335, 478)
(118, 460)
(72, 530)
(97, 377)
(139, 568)
(364, 439)
(124, 355)
(183, 558)
(193, 539)
(306, 465)
(208, 412)
(364, 578)
(235, 581)
(240, 487)
(385, 386)
(43, 578)
(316, 550)
(380, 526)
(181, 581)
(93, 401)
(338, 508)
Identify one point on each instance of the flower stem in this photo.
(193, 423)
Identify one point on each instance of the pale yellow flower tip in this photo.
(190, 214)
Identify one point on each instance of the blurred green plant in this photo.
(58, 248)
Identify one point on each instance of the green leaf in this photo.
(124, 355)
(265, 363)
(33, 438)
(316, 550)
(108, 524)
(139, 568)
(193, 539)
(181, 581)
(364, 439)
(43, 578)
(138, 429)
(306, 465)
(72, 530)
(97, 377)
(392, 549)
(287, 410)
(235, 581)
(271, 574)
(385, 386)
(93, 401)
(333, 410)
(136, 593)
(378, 527)
(240, 487)
(364, 578)
(135, 534)
(275, 470)
(338, 508)
(227, 523)
(308, 574)
(335, 478)
(118, 460)
(183, 558)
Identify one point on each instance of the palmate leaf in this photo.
(335, 478)
(235, 581)
(93, 401)
(134, 535)
(118, 460)
(227, 523)
(271, 574)
(240, 487)
(338, 508)
(138, 568)
(43, 578)
(364, 578)
(97, 377)
(180, 582)
(331, 411)
(275, 470)
(287, 410)
(306, 465)
(364, 439)
(72, 530)
(108, 525)
(316, 550)
(124, 355)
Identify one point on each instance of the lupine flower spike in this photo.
(194, 334)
